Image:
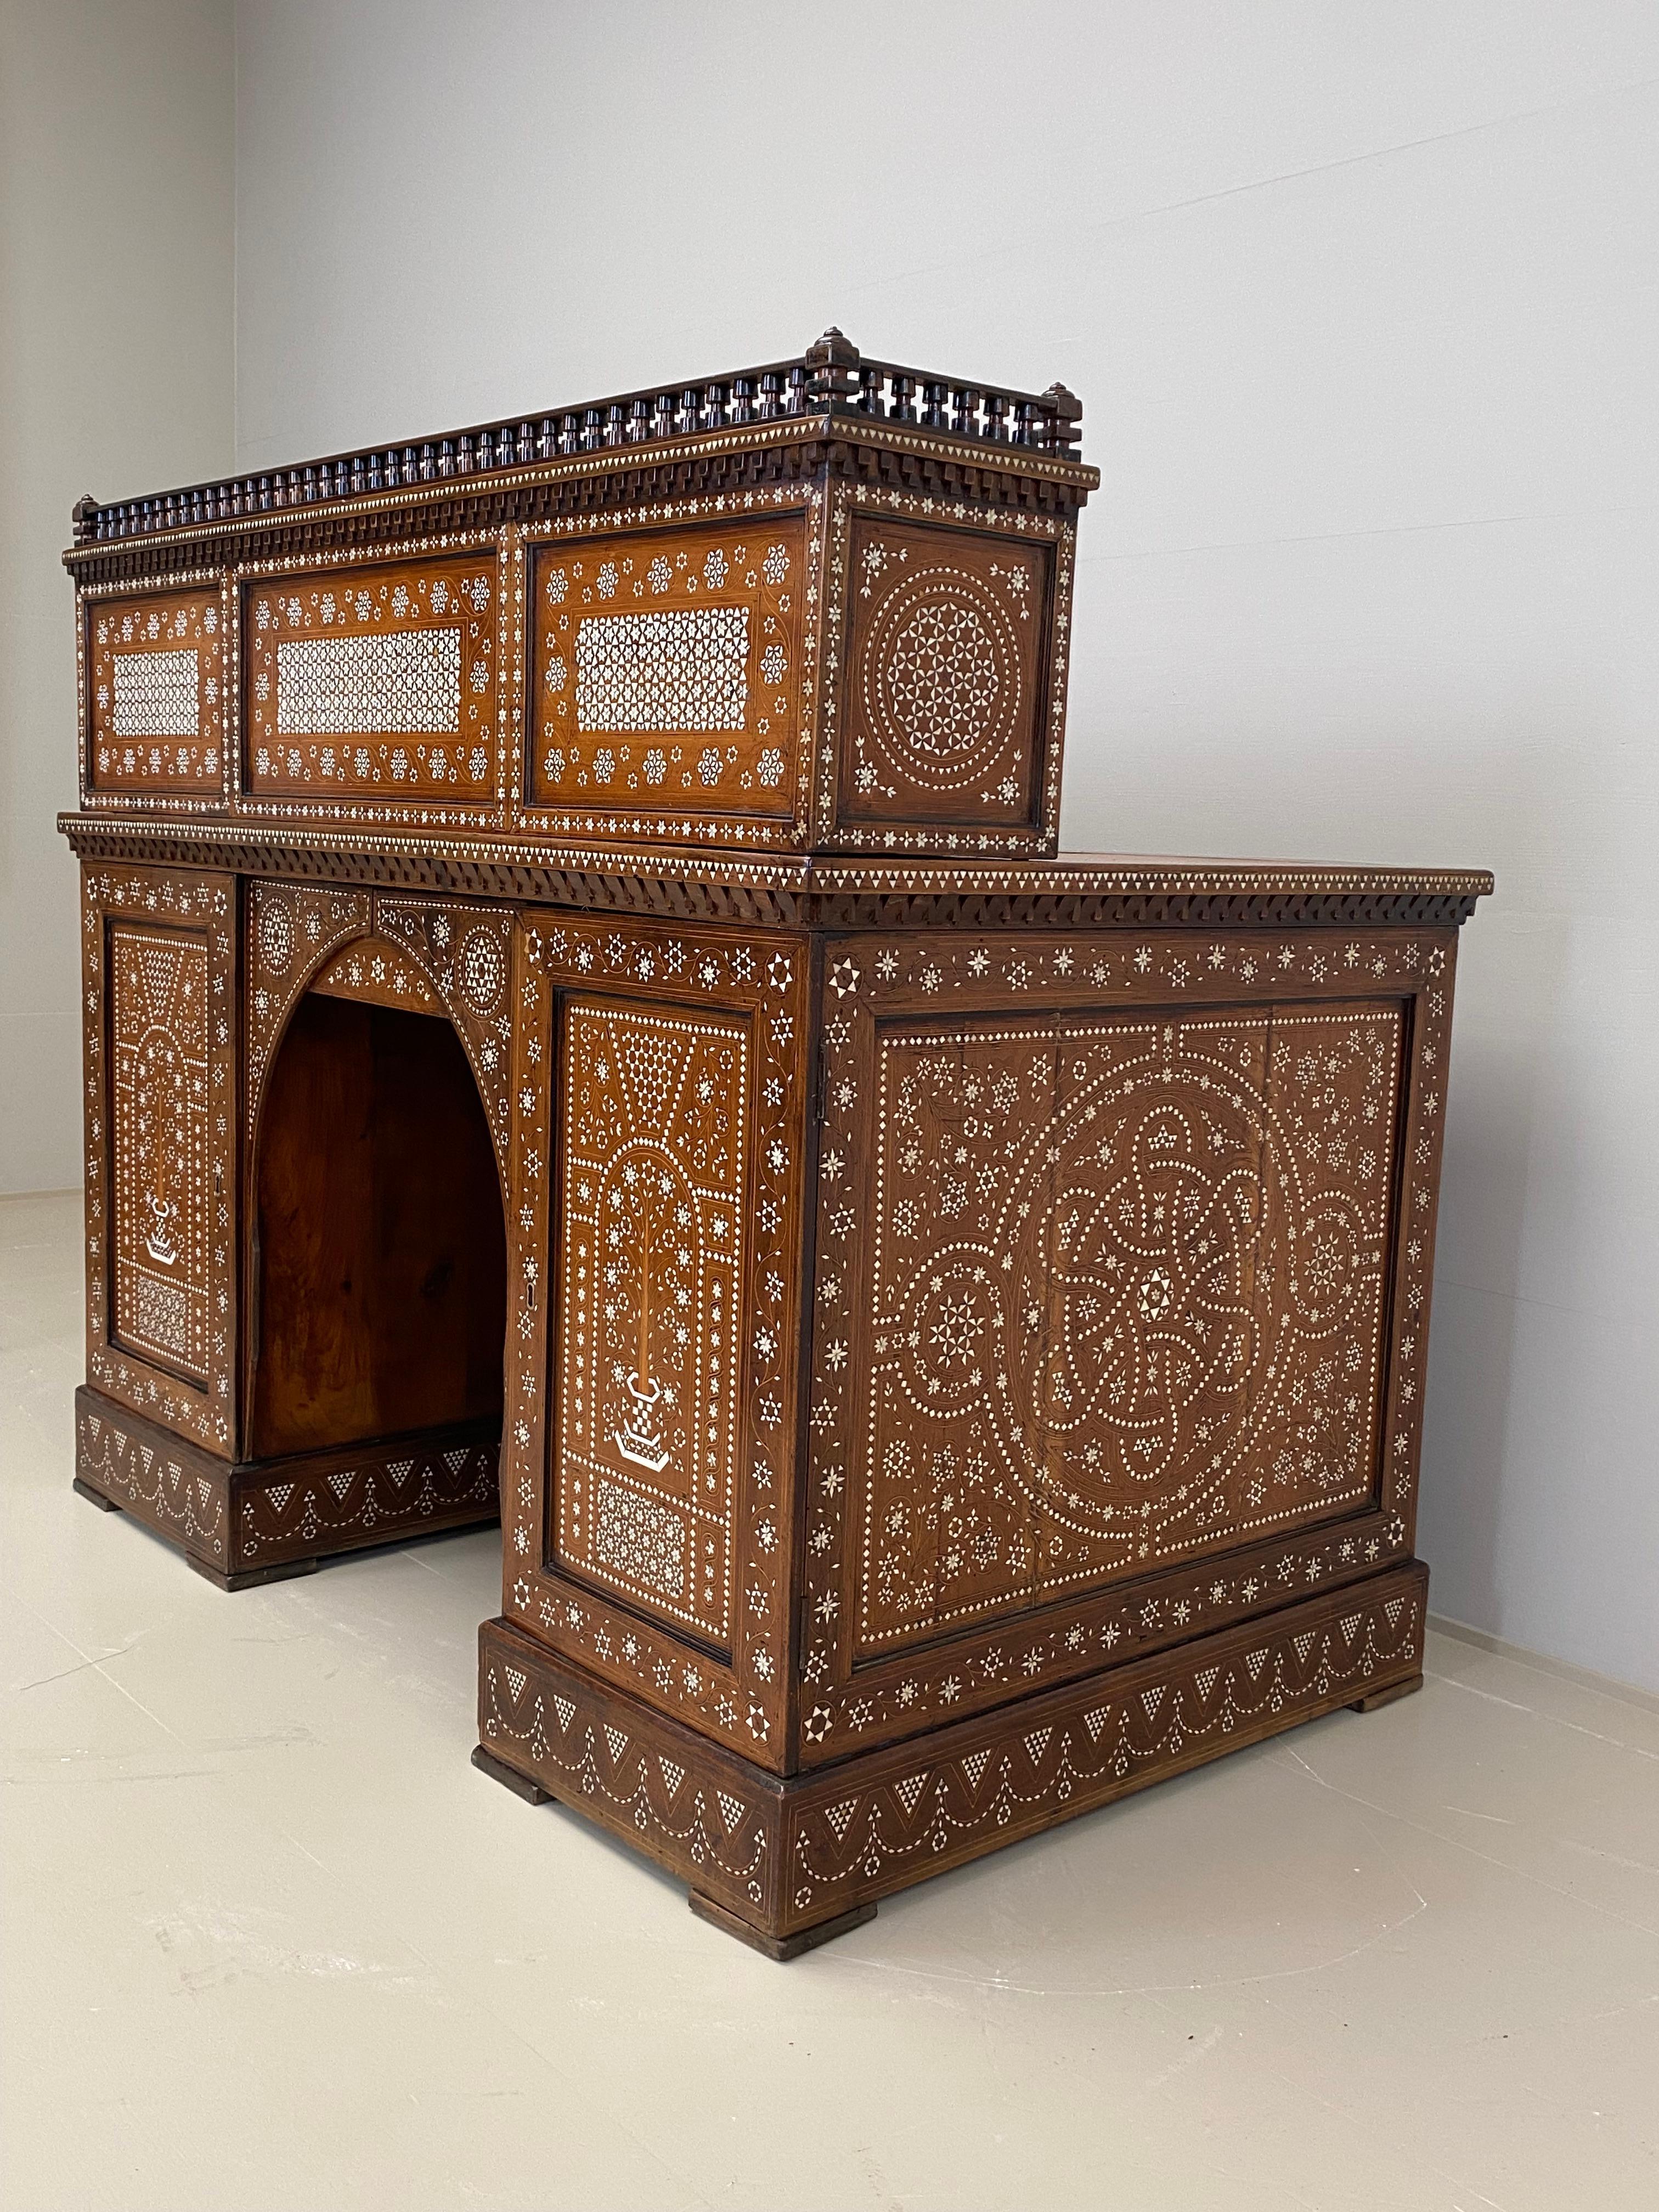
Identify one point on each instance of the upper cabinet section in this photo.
(818, 606)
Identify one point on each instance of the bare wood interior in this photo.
(380, 1250)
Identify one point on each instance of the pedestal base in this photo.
(775, 1858)
(777, 1947)
(510, 1778)
(244, 1523)
(1375, 1698)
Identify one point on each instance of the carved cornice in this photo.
(1077, 890)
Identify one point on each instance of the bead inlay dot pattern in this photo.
(665, 640)
(1127, 1297)
(159, 1020)
(648, 1323)
(153, 689)
(381, 683)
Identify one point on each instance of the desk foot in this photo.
(521, 1785)
(95, 1496)
(776, 1947)
(241, 1578)
(1380, 1698)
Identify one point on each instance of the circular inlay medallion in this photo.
(941, 680)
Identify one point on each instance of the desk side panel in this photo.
(1123, 1259)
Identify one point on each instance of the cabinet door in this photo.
(159, 957)
(648, 1456)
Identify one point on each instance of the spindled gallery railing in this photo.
(832, 378)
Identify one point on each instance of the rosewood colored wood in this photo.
(510, 1778)
(1375, 1699)
(776, 1947)
(784, 1854)
(273, 1518)
(584, 1018)
(380, 1252)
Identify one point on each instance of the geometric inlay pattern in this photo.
(154, 689)
(379, 683)
(1127, 1297)
(943, 672)
(664, 671)
(155, 695)
(653, 1156)
(941, 682)
(672, 637)
(159, 1041)
(408, 683)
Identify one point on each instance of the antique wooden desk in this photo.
(576, 970)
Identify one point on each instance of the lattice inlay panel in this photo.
(159, 1041)
(668, 668)
(374, 682)
(155, 685)
(681, 670)
(1128, 1299)
(408, 683)
(942, 705)
(155, 695)
(649, 1359)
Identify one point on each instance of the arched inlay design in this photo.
(466, 954)
(457, 954)
(649, 1356)
(380, 973)
(291, 932)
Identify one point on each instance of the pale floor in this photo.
(268, 1942)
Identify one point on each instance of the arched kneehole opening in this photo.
(380, 1260)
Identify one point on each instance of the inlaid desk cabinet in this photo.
(582, 1010)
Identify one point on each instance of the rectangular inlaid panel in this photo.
(1129, 1280)
(653, 1160)
(667, 669)
(159, 1056)
(374, 682)
(156, 693)
(942, 713)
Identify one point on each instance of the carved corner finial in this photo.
(80, 514)
(831, 366)
(1068, 414)
(834, 346)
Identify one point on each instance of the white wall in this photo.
(1362, 304)
(117, 293)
